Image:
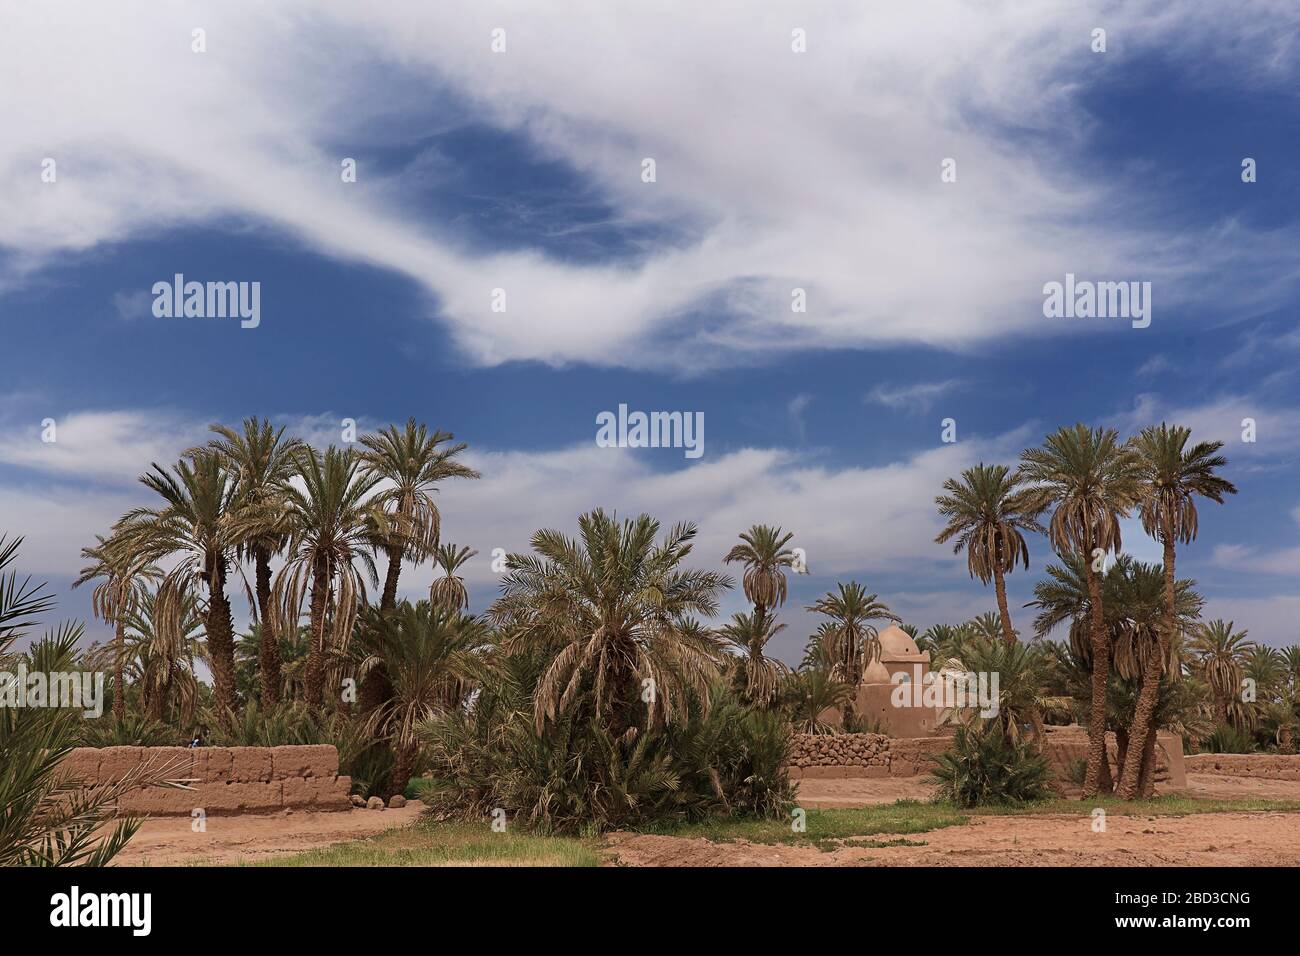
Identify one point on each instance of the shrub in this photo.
(987, 768)
(576, 776)
(1227, 739)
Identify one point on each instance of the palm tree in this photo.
(163, 650)
(449, 590)
(194, 528)
(412, 463)
(613, 609)
(1221, 651)
(1133, 606)
(1090, 481)
(330, 520)
(854, 641)
(765, 556)
(123, 575)
(262, 461)
(811, 693)
(851, 639)
(429, 652)
(1172, 476)
(986, 516)
(761, 675)
(1291, 661)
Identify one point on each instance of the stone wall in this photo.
(1266, 766)
(821, 756)
(223, 780)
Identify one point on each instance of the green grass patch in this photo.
(830, 827)
(430, 843)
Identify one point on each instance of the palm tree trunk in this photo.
(316, 653)
(1150, 695)
(269, 650)
(1147, 776)
(221, 639)
(1092, 781)
(389, 600)
(403, 764)
(119, 692)
(1000, 585)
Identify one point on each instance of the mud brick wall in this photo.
(862, 755)
(1266, 766)
(223, 780)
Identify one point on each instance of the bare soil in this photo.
(1219, 839)
(170, 841)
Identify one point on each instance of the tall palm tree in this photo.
(613, 609)
(330, 520)
(1221, 651)
(761, 674)
(121, 576)
(411, 462)
(1090, 481)
(1172, 475)
(986, 516)
(1134, 611)
(194, 528)
(429, 651)
(263, 461)
(765, 556)
(449, 590)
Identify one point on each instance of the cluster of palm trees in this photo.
(1084, 480)
(615, 620)
(248, 498)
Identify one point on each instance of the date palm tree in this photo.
(430, 653)
(986, 517)
(1133, 607)
(193, 529)
(853, 640)
(163, 651)
(122, 576)
(760, 675)
(449, 590)
(330, 521)
(262, 461)
(411, 463)
(1089, 481)
(1221, 652)
(1173, 476)
(811, 693)
(765, 556)
(1291, 660)
(613, 609)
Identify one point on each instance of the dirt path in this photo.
(170, 841)
(865, 792)
(1220, 839)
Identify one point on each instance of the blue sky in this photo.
(775, 170)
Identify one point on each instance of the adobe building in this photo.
(875, 703)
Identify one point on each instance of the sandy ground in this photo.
(1220, 839)
(1225, 839)
(170, 841)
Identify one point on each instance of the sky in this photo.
(919, 171)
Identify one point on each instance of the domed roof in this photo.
(895, 642)
(876, 673)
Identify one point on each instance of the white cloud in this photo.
(918, 398)
(1277, 427)
(818, 170)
